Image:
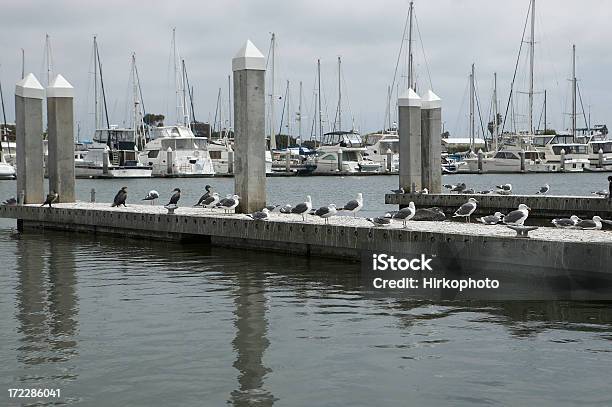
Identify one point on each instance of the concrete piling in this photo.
(169, 161)
(28, 120)
(105, 162)
(431, 143)
(600, 158)
(340, 160)
(480, 158)
(522, 157)
(389, 160)
(230, 161)
(562, 160)
(409, 130)
(60, 122)
(249, 67)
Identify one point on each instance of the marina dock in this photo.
(542, 206)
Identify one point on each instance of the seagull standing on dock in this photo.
(12, 201)
(400, 190)
(517, 217)
(151, 196)
(175, 197)
(52, 197)
(405, 214)
(229, 203)
(565, 223)
(211, 201)
(206, 195)
(381, 220)
(459, 188)
(120, 198)
(492, 219)
(303, 208)
(286, 209)
(543, 189)
(326, 212)
(260, 215)
(354, 205)
(505, 189)
(466, 209)
(587, 224)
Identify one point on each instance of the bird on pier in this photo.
(271, 208)
(52, 197)
(175, 197)
(466, 210)
(120, 198)
(260, 215)
(326, 212)
(400, 190)
(405, 214)
(587, 224)
(484, 192)
(285, 208)
(423, 191)
(151, 196)
(457, 188)
(429, 214)
(469, 191)
(603, 193)
(565, 223)
(12, 201)
(491, 219)
(229, 203)
(543, 189)
(517, 217)
(207, 194)
(610, 187)
(354, 205)
(211, 201)
(381, 221)
(303, 208)
(505, 189)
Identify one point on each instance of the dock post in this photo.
(562, 159)
(480, 158)
(600, 158)
(60, 122)
(28, 121)
(409, 130)
(288, 160)
(340, 160)
(92, 195)
(522, 157)
(169, 161)
(431, 143)
(105, 162)
(389, 160)
(230, 161)
(249, 68)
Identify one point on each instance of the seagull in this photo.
(429, 214)
(260, 215)
(517, 217)
(303, 208)
(492, 219)
(326, 212)
(52, 197)
(175, 197)
(468, 191)
(505, 187)
(398, 191)
(151, 196)
(486, 191)
(424, 191)
(466, 209)
(12, 201)
(354, 205)
(207, 194)
(211, 201)
(544, 189)
(587, 224)
(381, 220)
(229, 203)
(503, 192)
(565, 222)
(120, 197)
(406, 213)
(286, 209)
(602, 193)
(459, 188)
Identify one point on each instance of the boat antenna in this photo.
(4, 128)
(22, 63)
(319, 98)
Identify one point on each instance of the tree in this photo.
(154, 120)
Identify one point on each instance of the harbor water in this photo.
(113, 321)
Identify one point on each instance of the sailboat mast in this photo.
(531, 59)
(48, 57)
(229, 103)
(299, 117)
(96, 107)
(574, 83)
(22, 63)
(319, 98)
(495, 112)
(472, 126)
(135, 96)
(272, 90)
(410, 59)
(186, 120)
(339, 94)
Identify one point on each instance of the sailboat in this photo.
(174, 151)
(113, 152)
(7, 171)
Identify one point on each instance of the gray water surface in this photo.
(114, 322)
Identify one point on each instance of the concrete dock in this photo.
(542, 206)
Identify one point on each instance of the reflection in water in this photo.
(46, 307)
(250, 342)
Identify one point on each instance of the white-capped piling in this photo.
(340, 159)
(431, 142)
(480, 156)
(169, 161)
(600, 158)
(60, 124)
(28, 121)
(389, 160)
(409, 129)
(249, 67)
(562, 160)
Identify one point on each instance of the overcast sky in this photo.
(366, 34)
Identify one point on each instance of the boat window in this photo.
(329, 157)
(215, 155)
(153, 153)
(500, 155)
(188, 144)
(350, 156)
